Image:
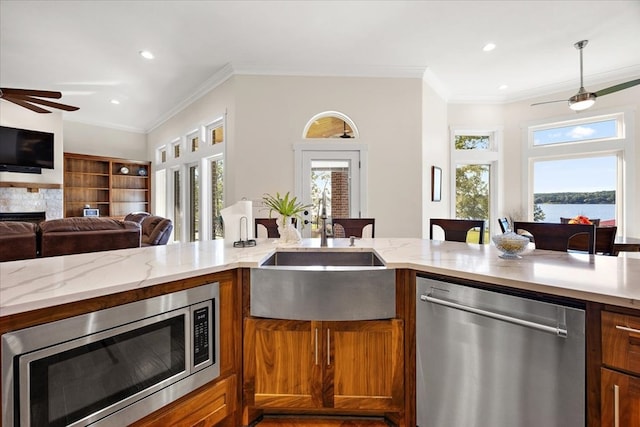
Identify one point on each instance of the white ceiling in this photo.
(88, 50)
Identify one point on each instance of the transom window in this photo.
(330, 124)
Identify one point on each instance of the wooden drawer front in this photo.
(205, 407)
(621, 341)
(620, 400)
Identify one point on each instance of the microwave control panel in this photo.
(201, 335)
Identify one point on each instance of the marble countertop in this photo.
(46, 282)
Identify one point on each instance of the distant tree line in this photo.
(595, 197)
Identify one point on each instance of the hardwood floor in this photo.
(283, 421)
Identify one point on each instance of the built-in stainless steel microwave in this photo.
(113, 366)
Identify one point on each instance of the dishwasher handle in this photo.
(561, 332)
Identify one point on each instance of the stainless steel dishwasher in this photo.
(487, 359)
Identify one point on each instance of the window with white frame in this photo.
(215, 132)
(194, 182)
(576, 167)
(474, 164)
(175, 146)
(193, 140)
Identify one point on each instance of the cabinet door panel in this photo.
(364, 369)
(620, 398)
(287, 375)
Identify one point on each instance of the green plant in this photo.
(285, 205)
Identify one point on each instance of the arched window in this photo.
(330, 124)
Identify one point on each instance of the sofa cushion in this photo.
(87, 234)
(17, 240)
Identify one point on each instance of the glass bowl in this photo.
(510, 244)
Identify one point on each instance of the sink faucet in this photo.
(323, 217)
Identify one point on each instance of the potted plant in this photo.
(287, 208)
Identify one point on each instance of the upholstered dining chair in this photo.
(347, 227)
(605, 237)
(456, 230)
(269, 224)
(554, 236)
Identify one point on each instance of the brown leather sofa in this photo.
(17, 240)
(68, 236)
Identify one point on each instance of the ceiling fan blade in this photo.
(44, 102)
(30, 92)
(616, 88)
(549, 102)
(26, 105)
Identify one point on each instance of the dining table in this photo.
(626, 244)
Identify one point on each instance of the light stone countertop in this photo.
(46, 282)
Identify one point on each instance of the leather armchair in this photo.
(17, 240)
(155, 230)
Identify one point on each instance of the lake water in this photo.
(553, 212)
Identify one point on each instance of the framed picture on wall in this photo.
(436, 184)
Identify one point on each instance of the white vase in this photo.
(288, 232)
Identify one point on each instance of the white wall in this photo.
(435, 137)
(267, 115)
(100, 141)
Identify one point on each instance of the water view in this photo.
(553, 212)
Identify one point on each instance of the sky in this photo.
(584, 174)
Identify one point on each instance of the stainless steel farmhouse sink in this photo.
(321, 258)
(323, 285)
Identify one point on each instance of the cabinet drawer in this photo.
(621, 341)
(205, 407)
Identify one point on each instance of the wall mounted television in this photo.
(24, 150)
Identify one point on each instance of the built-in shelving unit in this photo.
(115, 187)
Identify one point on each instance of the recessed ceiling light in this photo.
(115, 101)
(146, 54)
(489, 47)
(502, 87)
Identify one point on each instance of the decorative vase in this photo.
(288, 232)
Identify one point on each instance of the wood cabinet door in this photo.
(282, 365)
(620, 399)
(364, 366)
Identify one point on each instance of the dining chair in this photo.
(347, 227)
(594, 221)
(456, 230)
(269, 224)
(605, 237)
(554, 236)
(504, 224)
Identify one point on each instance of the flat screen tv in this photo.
(24, 150)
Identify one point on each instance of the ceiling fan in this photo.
(583, 99)
(28, 98)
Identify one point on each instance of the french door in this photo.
(336, 174)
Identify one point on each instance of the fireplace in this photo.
(35, 217)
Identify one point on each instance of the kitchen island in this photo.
(40, 283)
(41, 290)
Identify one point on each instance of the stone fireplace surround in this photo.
(29, 200)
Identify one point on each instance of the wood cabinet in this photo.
(205, 407)
(620, 374)
(115, 187)
(351, 365)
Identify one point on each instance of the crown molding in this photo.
(214, 81)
